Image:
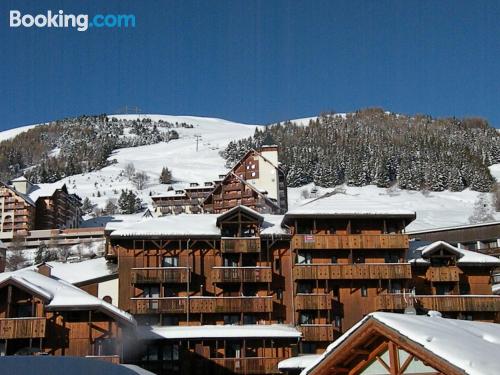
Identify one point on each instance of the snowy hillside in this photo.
(179, 155)
(433, 209)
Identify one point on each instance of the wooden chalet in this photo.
(42, 315)
(320, 268)
(385, 343)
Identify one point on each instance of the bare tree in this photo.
(140, 180)
(129, 170)
(16, 260)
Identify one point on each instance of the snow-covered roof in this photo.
(470, 346)
(115, 222)
(272, 226)
(188, 225)
(44, 190)
(61, 295)
(19, 179)
(456, 227)
(169, 194)
(81, 272)
(300, 362)
(172, 225)
(345, 205)
(218, 331)
(464, 256)
(245, 209)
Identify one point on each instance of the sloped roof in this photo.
(470, 347)
(61, 295)
(26, 198)
(346, 205)
(244, 209)
(464, 256)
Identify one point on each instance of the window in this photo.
(306, 318)
(277, 265)
(308, 348)
(392, 258)
(170, 261)
(304, 287)
(334, 259)
(231, 319)
(24, 310)
(249, 319)
(337, 321)
(364, 291)
(279, 293)
(395, 287)
(304, 258)
(168, 320)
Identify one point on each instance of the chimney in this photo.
(44, 269)
(22, 185)
(270, 152)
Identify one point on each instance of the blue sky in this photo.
(255, 61)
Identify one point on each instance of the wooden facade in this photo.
(321, 275)
(17, 213)
(28, 325)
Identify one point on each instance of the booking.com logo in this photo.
(80, 22)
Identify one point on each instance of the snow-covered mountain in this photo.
(434, 209)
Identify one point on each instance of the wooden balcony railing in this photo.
(256, 365)
(231, 304)
(439, 303)
(313, 301)
(319, 332)
(361, 271)
(443, 274)
(107, 358)
(179, 305)
(147, 305)
(242, 274)
(350, 241)
(22, 328)
(240, 244)
(160, 275)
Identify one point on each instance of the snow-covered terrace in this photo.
(218, 331)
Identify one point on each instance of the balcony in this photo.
(256, 365)
(439, 303)
(242, 275)
(251, 304)
(240, 244)
(160, 275)
(319, 332)
(364, 271)
(22, 328)
(443, 274)
(313, 301)
(151, 305)
(350, 241)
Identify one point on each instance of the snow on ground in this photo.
(434, 209)
(180, 156)
(11, 133)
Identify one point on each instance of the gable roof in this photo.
(422, 254)
(448, 345)
(246, 210)
(61, 295)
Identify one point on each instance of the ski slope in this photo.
(434, 209)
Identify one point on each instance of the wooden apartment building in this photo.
(256, 181)
(26, 207)
(317, 270)
(42, 315)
